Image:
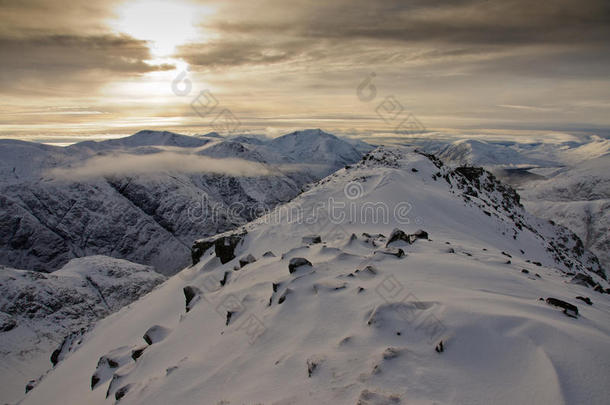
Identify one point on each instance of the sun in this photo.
(165, 24)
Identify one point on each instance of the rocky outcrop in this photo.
(568, 309)
(311, 239)
(400, 235)
(244, 261)
(156, 333)
(297, 262)
(191, 296)
(224, 246)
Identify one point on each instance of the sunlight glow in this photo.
(166, 24)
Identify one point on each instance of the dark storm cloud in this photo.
(72, 60)
(75, 53)
(289, 30)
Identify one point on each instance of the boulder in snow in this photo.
(312, 239)
(297, 262)
(568, 309)
(156, 334)
(244, 261)
(191, 296)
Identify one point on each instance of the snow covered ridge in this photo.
(566, 182)
(467, 303)
(145, 198)
(477, 188)
(44, 312)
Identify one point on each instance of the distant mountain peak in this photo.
(312, 132)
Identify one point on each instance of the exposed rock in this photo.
(229, 315)
(32, 384)
(156, 334)
(199, 248)
(568, 309)
(284, 295)
(191, 296)
(392, 251)
(224, 247)
(471, 173)
(94, 380)
(297, 262)
(67, 345)
(137, 353)
(419, 234)
(398, 234)
(244, 261)
(587, 300)
(225, 278)
(268, 254)
(369, 269)
(313, 363)
(121, 392)
(583, 279)
(311, 239)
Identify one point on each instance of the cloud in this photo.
(222, 53)
(290, 28)
(54, 58)
(451, 62)
(126, 164)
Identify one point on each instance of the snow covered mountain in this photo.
(337, 297)
(40, 313)
(491, 155)
(568, 182)
(146, 197)
(577, 197)
(314, 146)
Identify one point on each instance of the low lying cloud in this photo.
(125, 164)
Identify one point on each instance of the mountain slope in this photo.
(37, 311)
(357, 317)
(144, 198)
(579, 198)
(315, 146)
(567, 183)
(490, 155)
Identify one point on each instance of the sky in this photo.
(92, 69)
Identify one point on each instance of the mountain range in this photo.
(146, 197)
(397, 279)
